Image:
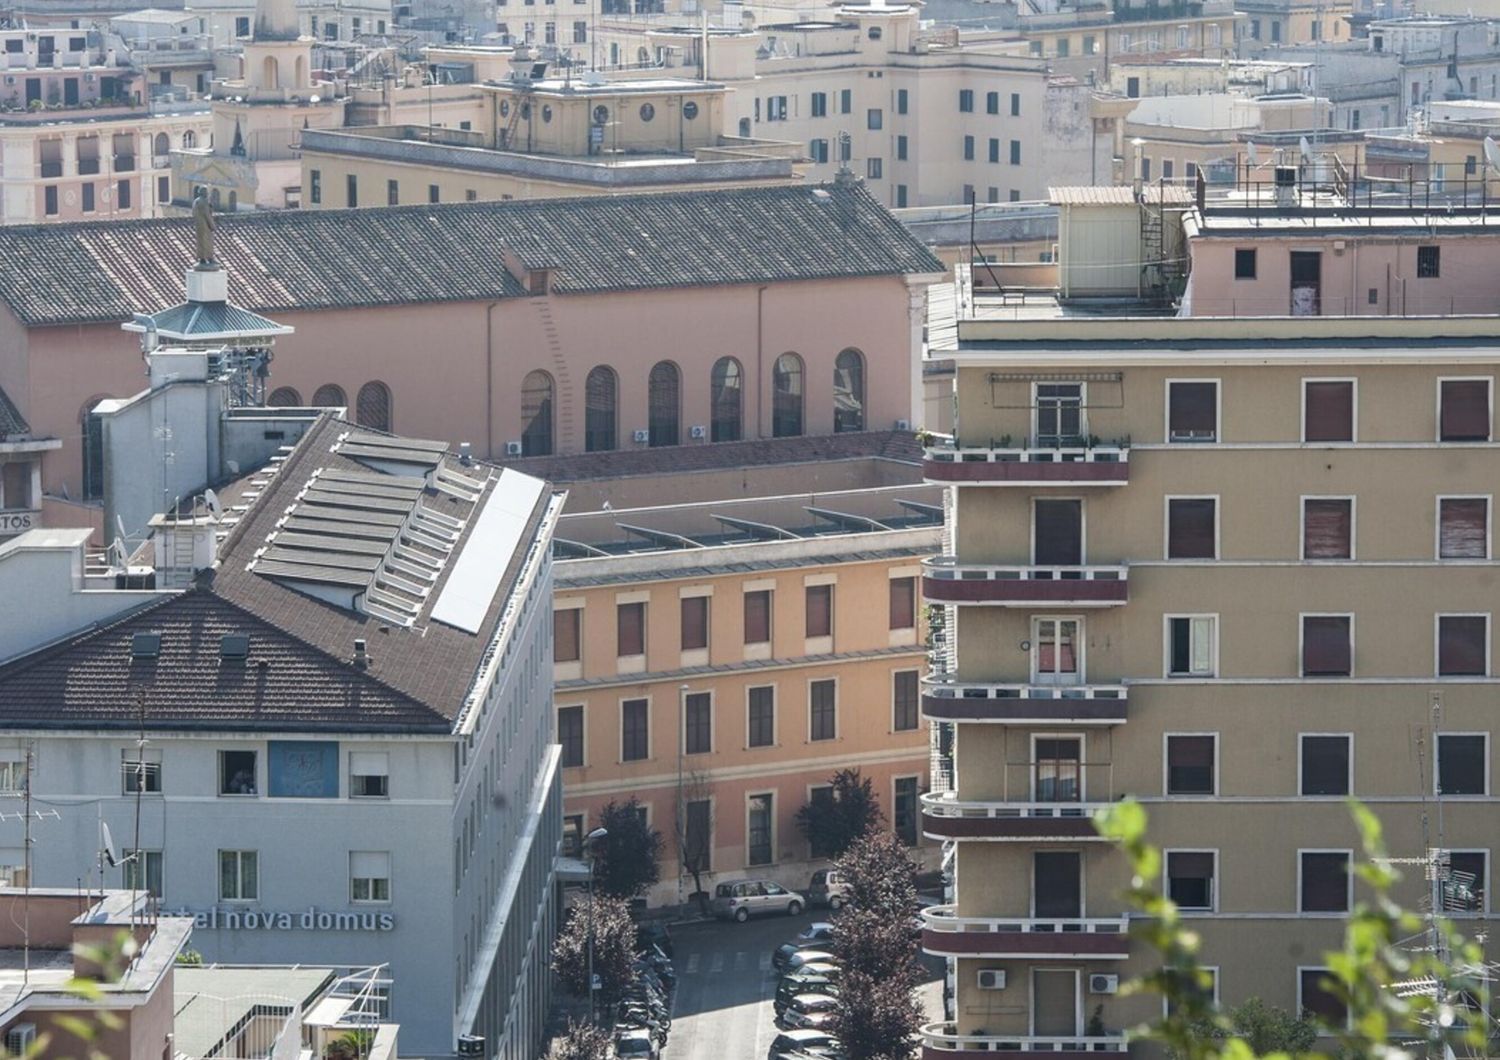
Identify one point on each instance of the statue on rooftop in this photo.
(203, 228)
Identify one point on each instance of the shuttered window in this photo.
(565, 646)
(1325, 882)
(1190, 528)
(1325, 765)
(570, 735)
(1326, 647)
(634, 735)
(699, 737)
(758, 617)
(1463, 528)
(1193, 412)
(1463, 642)
(1465, 410)
(1328, 411)
(1058, 532)
(903, 603)
(631, 629)
(694, 623)
(822, 708)
(1462, 763)
(1190, 878)
(762, 716)
(1327, 528)
(820, 611)
(1190, 765)
(904, 700)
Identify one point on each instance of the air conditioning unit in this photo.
(1104, 984)
(20, 1038)
(698, 431)
(642, 437)
(512, 448)
(992, 978)
(903, 425)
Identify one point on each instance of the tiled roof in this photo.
(804, 449)
(12, 423)
(311, 259)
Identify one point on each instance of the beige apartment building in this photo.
(733, 626)
(1088, 39)
(1237, 571)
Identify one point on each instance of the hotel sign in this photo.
(310, 919)
(18, 520)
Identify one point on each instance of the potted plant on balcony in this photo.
(351, 1045)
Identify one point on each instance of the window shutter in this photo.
(1326, 529)
(1325, 765)
(1330, 412)
(1325, 646)
(1463, 532)
(368, 763)
(1191, 864)
(1202, 645)
(1190, 765)
(370, 864)
(819, 610)
(694, 622)
(565, 635)
(903, 603)
(757, 617)
(632, 635)
(1461, 645)
(1194, 410)
(1190, 529)
(1466, 410)
(1059, 533)
(1325, 883)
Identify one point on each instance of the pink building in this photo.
(522, 328)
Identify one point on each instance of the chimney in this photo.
(361, 654)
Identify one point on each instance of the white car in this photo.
(810, 1010)
(636, 1045)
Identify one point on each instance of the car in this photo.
(828, 888)
(802, 1040)
(802, 958)
(808, 1010)
(741, 899)
(636, 1045)
(825, 968)
(812, 936)
(802, 983)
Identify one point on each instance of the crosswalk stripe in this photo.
(739, 961)
(765, 962)
(692, 964)
(716, 965)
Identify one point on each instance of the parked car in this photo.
(802, 958)
(814, 936)
(801, 1040)
(743, 899)
(828, 888)
(802, 983)
(636, 1045)
(825, 968)
(808, 1010)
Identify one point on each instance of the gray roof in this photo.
(12, 423)
(311, 259)
(212, 321)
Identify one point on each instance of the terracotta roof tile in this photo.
(12, 423)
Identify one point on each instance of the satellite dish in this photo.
(1252, 154)
(1304, 148)
(212, 500)
(1492, 152)
(120, 526)
(118, 552)
(107, 846)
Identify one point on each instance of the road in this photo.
(725, 985)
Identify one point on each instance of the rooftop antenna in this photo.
(211, 499)
(27, 815)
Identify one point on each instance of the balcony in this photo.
(945, 581)
(124, 163)
(1103, 465)
(88, 166)
(947, 817)
(941, 1041)
(51, 170)
(944, 699)
(945, 934)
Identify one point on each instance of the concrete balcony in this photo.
(945, 581)
(941, 1041)
(945, 934)
(1106, 465)
(946, 699)
(944, 816)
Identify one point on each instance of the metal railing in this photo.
(945, 1037)
(1002, 454)
(943, 918)
(947, 688)
(946, 805)
(944, 568)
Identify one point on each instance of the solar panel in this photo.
(493, 538)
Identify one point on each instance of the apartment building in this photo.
(1238, 571)
(1174, 137)
(730, 631)
(1267, 23)
(1088, 39)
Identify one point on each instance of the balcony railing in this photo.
(946, 699)
(51, 169)
(946, 581)
(88, 166)
(124, 163)
(946, 934)
(946, 817)
(1104, 465)
(942, 1040)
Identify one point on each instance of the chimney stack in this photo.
(361, 654)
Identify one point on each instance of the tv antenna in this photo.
(27, 815)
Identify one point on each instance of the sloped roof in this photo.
(311, 259)
(208, 321)
(12, 423)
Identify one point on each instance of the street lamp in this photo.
(588, 850)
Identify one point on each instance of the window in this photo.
(901, 101)
(239, 875)
(904, 810)
(1463, 643)
(901, 149)
(1090, 47)
(122, 194)
(1328, 410)
(901, 193)
(822, 708)
(726, 383)
(762, 721)
(142, 871)
(351, 191)
(88, 197)
(1463, 528)
(698, 723)
(1462, 764)
(284, 397)
(13, 772)
(1190, 878)
(758, 826)
(1015, 152)
(694, 623)
(1313, 995)
(820, 798)
(874, 168)
(664, 403)
(630, 629)
(1064, 45)
(369, 775)
(237, 773)
(1192, 528)
(1191, 647)
(904, 700)
(697, 838)
(786, 396)
(315, 186)
(968, 148)
(994, 149)
(566, 630)
(164, 189)
(1059, 414)
(874, 119)
(1464, 410)
(820, 104)
(372, 406)
(49, 200)
(1166, 169)
(758, 617)
(634, 744)
(1244, 263)
(966, 101)
(819, 611)
(817, 150)
(1015, 97)
(1467, 881)
(849, 390)
(581, 34)
(302, 769)
(392, 193)
(903, 603)
(329, 395)
(1326, 764)
(992, 103)
(1191, 764)
(599, 429)
(846, 101)
(139, 771)
(1327, 645)
(1325, 881)
(570, 735)
(1428, 262)
(536, 414)
(369, 876)
(1193, 411)
(1327, 528)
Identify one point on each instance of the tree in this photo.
(581, 1041)
(880, 876)
(1266, 1028)
(696, 857)
(628, 860)
(877, 1019)
(614, 948)
(840, 814)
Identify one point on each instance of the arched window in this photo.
(372, 408)
(601, 395)
(726, 399)
(234, 201)
(161, 145)
(849, 391)
(270, 72)
(664, 403)
(786, 396)
(328, 396)
(284, 397)
(189, 139)
(536, 414)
